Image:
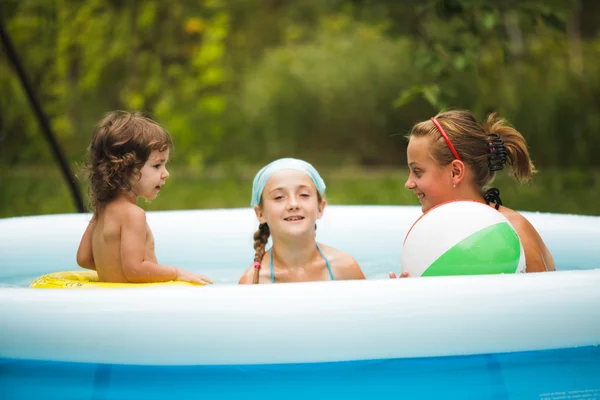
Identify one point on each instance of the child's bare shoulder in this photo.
(518, 221)
(125, 212)
(336, 256)
(343, 264)
(537, 254)
(248, 277)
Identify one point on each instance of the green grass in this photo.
(41, 190)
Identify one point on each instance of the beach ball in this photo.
(462, 238)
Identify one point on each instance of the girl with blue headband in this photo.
(287, 197)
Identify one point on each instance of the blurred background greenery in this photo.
(339, 83)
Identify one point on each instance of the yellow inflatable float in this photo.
(89, 280)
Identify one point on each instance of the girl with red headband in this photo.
(454, 157)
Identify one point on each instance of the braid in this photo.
(261, 236)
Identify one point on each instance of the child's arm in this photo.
(537, 255)
(133, 249)
(85, 257)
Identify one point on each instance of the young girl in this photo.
(126, 160)
(454, 157)
(287, 196)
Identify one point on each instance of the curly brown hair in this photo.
(121, 145)
(472, 142)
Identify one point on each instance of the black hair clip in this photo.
(497, 157)
(492, 195)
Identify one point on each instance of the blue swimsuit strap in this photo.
(320, 251)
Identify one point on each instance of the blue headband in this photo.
(261, 178)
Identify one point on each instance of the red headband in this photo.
(446, 138)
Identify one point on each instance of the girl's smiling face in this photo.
(431, 182)
(290, 203)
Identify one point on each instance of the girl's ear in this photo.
(260, 215)
(321, 207)
(457, 170)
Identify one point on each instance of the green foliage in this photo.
(30, 190)
(94, 56)
(515, 58)
(331, 88)
(335, 82)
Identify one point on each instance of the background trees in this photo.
(338, 82)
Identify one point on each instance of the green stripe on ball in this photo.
(481, 253)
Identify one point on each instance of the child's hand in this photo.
(183, 275)
(402, 275)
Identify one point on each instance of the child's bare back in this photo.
(539, 258)
(113, 225)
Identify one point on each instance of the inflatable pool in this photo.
(532, 336)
